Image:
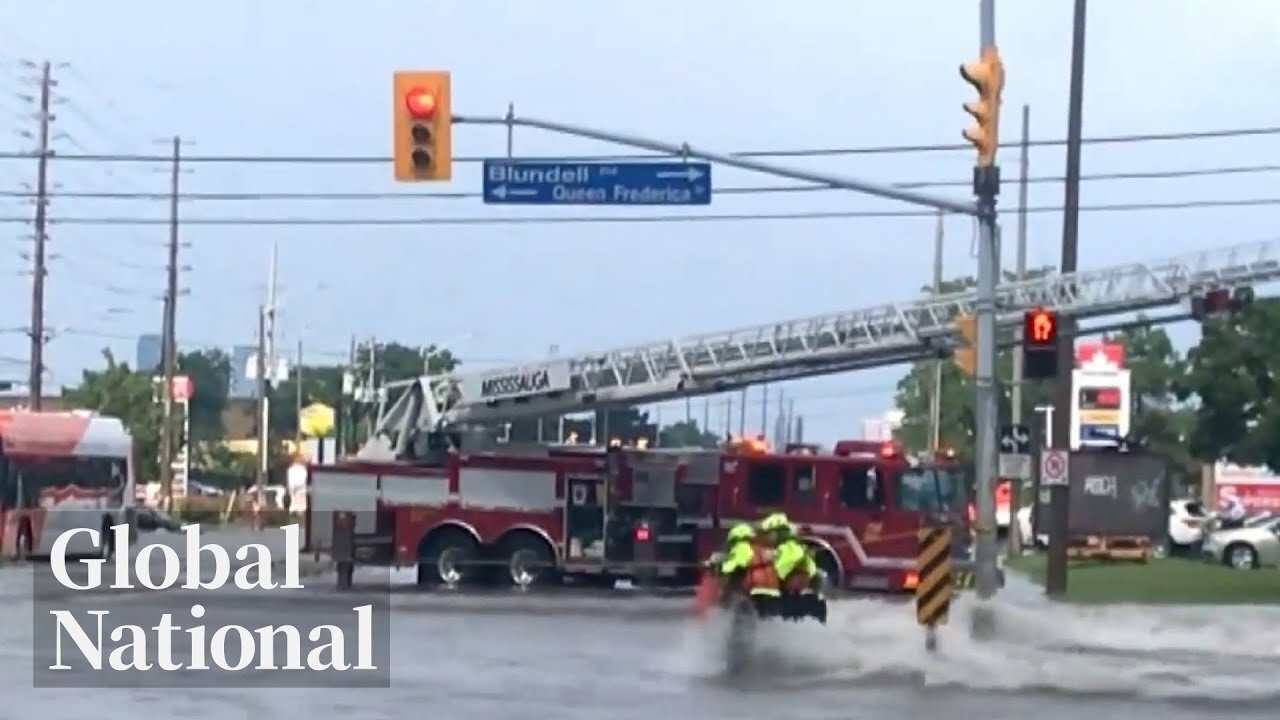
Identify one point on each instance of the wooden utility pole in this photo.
(35, 383)
(168, 336)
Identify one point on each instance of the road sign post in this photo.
(1055, 474)
(933, 582)
(516, 182)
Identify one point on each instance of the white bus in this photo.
(59, 471)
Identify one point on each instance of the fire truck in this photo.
(540, 515)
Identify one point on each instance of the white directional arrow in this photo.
(502, 192)
(692, 174)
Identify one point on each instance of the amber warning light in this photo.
(1041, 327)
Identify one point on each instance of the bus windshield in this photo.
(68, 482)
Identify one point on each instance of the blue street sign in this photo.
(515, 182)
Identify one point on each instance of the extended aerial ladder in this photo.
(819, 345)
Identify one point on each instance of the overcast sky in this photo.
(250, 77)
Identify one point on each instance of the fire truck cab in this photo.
(539, 515)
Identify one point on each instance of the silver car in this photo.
(1246, 548)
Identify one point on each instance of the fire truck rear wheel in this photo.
(529, 562)
(447, 558)
(827, 564)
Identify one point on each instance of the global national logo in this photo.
(201, 613)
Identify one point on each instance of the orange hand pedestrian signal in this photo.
(1041, 327)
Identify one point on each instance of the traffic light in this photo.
(1040, 344)
(422, 120)
(986, 75)
(965, 355)
(1221, 301)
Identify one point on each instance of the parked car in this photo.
(1186, 528)
(151, 520)
(1246, 548)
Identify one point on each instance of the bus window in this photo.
(917, 490)
(805, 488)
(8, 486)
(860, 487)
(766, 484)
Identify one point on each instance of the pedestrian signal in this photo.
(1040, 344)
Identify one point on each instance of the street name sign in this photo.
(518, 182)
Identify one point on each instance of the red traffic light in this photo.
(1040, 327)
(642, 533)
(421, 103)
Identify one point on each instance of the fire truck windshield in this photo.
(925, 489)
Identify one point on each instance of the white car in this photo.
(1186, 527)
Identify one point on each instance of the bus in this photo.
(60, 471)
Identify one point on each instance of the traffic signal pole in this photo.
(987, 77)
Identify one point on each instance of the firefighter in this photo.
(748, 564)
(799, 574)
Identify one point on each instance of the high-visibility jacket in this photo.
(795, 565)
(755, 562)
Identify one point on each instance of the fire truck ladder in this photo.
(823, 344)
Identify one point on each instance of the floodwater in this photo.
(625, 657)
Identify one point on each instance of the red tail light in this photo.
(642, 533)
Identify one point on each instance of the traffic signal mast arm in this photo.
(822, 344)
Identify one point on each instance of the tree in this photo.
(393, 362)
(1160, 420)
(1231, 373)
(686, 433)
(119, 391)
(957, 424)
(210, 373)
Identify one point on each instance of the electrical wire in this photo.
(625, 219)
(777, 153)
(742, 190)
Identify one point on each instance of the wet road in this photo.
(518, 657)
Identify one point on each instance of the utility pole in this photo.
(1055, 580)
(35, 383)
(1020, 272)
(742, 414)
(168, 335)
(764, 411)
(264, 411)
(297, 397)
(935, 396)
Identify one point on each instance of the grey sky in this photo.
(312, 78)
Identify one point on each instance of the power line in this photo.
(782, 153)
(625, 219)
(739, 190)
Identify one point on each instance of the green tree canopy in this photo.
(119, 391)
(210, 373)
(1231, 375)
(686, 433)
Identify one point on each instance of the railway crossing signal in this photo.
(986, 75)
(422, 125)
(933, 581)
(965, 355)
(1040, 344)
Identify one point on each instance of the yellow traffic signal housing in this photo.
(966, 356)
(422, 123)
(986, 75)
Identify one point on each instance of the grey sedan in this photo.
(1246, 548)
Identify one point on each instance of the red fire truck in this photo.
(586, 513)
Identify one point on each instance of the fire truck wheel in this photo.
(828, 565)
(446, 557)
(529, 560)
